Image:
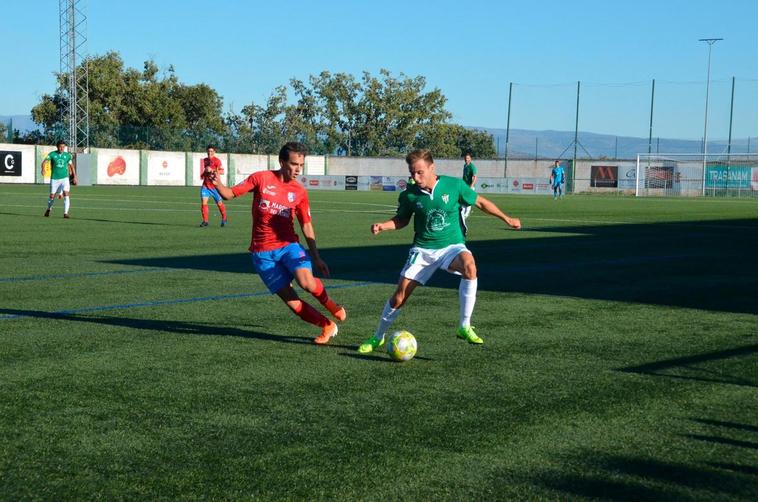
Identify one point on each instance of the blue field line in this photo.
(83, 310)
(77, 274)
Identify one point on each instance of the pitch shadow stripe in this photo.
(63, 313)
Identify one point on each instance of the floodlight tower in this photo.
(710, 42)
(74, 75)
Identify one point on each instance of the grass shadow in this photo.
(170, 326)
(659, 368)
(671, 264)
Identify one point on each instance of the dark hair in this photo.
(292, 147)
(467, 154)
(60, 142)
(210, 146)
(419, 154)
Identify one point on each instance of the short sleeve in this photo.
(468, 195)
(404, 207)
(250, 183)
(303, 210)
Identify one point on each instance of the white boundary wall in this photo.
(141, 167)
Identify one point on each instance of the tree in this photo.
(143, 109)
(331, 113)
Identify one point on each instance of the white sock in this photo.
(66, 204)
(388, 317)
(467, 297)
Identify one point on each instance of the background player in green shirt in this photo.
(434, 202)
(61, 176)
(469, 176)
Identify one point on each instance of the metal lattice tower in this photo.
(75, 76)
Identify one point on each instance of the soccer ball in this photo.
(402, 346)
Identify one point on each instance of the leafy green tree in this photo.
(267, 122)
(338, 98)
(331, 113)
(145, 109)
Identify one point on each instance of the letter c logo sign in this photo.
(8, 162)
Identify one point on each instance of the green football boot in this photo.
(371, 344)
(467, 333)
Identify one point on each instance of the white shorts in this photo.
(423, 263)
(61, 185)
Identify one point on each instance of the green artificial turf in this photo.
(141, 358)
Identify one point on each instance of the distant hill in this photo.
(22, 123)
(525, 143)
(553, 144)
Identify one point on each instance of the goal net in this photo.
(693, 175)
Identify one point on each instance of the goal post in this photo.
(694, 175)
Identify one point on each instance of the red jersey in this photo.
(215, 164)
(275, 205)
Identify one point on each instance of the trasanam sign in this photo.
(740, 177)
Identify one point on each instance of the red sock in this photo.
(323, 298)
(222, 208)
(310, 315)
(204, 211)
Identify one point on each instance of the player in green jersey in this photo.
(434, 202)
(469, 176)
(61, 177)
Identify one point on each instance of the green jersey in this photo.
(469, 171)
(59, 163)
(436, 214)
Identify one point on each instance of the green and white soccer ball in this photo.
(402, 346)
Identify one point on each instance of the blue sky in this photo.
(469, 49)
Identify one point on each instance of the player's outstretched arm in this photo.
(489, 207)
(224, 191)
(391, 224)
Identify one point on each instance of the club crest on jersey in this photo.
(445, 198)
(291, 196)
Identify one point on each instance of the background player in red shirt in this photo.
(210, 168)
(277, 254)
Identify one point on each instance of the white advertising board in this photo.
(17, 163)
(197, 167)
(166, 168)
(117, 167)
(245, 165)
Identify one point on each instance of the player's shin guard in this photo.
(467, 296)
(222, 208)
(50, 202)
(66, 204)
(204, 212)
(389, 315)
(308, 314)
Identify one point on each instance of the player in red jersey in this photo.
(277, 254)
(210, 168)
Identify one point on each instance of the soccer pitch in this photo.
(141, 357)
